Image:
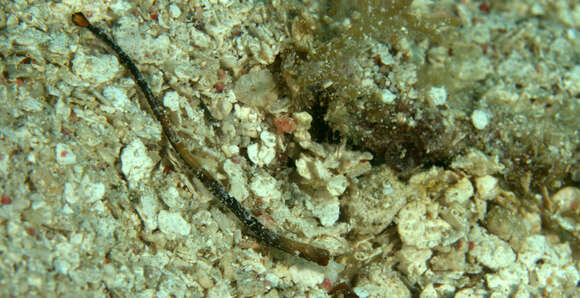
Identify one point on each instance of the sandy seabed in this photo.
(94, 203)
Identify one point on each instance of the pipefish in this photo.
(258, 230)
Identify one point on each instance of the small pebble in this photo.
(437, 96)
(64, 155)
(480, 119)
(173, 223)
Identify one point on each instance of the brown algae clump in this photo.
(331, 80)
(404, 83)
